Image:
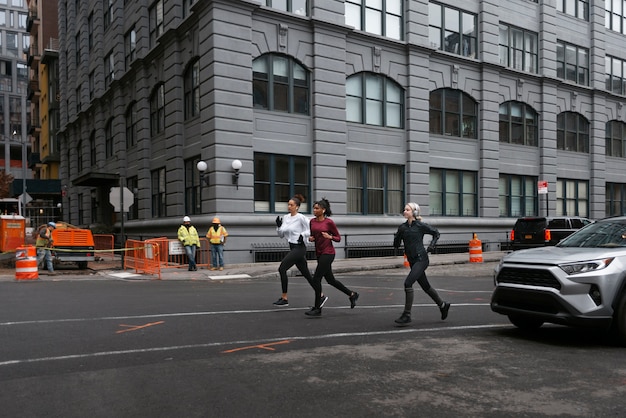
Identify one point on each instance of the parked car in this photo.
(530, 232)
(579, 282)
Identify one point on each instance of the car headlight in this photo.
(585, 266)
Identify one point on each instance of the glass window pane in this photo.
(353, 109)
(393, 25)
(394, 115)
(394, 6)
(374, 88)
(373, 21)
(373, 112)
(353, 16)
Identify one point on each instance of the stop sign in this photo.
(115, 198)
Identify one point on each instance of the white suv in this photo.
(580, 282)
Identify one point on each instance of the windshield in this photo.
(605, 234)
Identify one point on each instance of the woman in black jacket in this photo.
(412, 234)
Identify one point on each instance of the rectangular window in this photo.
(279, 177)
(109, 70)
(108, 13)
(452, 30)
(453, 192)
(380, 17)
(158, 193)
(615, 15)
(518, 196)
(576, 8)
(130, 47)
(615, 69)
(132, 183)
(375, 189)
(156, 22)
(572, 63)
(519, 49)
(572, 198)
(193, 187)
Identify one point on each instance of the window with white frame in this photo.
(518, 196)
(374, 99)
(157, 183)
(453, 112)
(615, 69)
(572, 63)
(519, 48)
(452, 30)
(615, 15)
(193, 185)
(519, 124)
(299, 7)
(380, 17)
(375, 189)
(192, 90)
(277, 178)
(572, 198)
(280, 84)
(615, 132)
(453, 192)
(576, 8)
(572, 132)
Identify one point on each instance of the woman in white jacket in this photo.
(295, 228)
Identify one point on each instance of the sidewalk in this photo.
(112, 269)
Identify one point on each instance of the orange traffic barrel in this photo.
(475, 250)
(406, 262)
(26, 263)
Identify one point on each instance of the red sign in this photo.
(542, 187)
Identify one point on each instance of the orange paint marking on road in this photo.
(136, 327)
(261, 346)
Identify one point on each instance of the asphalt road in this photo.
(124, 348)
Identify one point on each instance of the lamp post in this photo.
(23, 196)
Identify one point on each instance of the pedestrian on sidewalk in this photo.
(295, 228)
(217, 235)
(188, 236)
(324, 232)
(412, 234)
(43, 244)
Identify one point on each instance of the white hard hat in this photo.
(52, 224)
(186, 219)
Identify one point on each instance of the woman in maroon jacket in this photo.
(323, 233)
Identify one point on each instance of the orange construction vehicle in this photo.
(73, 244)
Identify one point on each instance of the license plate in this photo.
(528, 236)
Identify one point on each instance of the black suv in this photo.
(533, 232)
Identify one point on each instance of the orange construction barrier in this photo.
(475, 250)
(26, 263)
(406, 262)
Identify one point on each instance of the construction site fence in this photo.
(172, 254)
(105, 245)
(142, 257)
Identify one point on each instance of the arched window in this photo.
(192, 90)
(518, 124)
(280, 84)
(157, 110)
(453, 112)
(615, 133)
(572, 132)
(374, 99)
(131, 125)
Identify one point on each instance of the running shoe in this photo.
(323, 301)
(314, 312)
(353, 298)
(281, 302)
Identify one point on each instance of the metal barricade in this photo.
(143, 257)
(104, 245)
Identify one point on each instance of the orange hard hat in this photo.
(216, 220)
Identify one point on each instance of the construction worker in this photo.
(217, 238)
(188, 236)
(43, 244)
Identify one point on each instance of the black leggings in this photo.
(296, 256)
(324, 269)
(418, 274)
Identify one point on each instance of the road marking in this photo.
(124, 275)
(230, 276)
(208, 313)
(266, 346)
(247, 343)
(136, 327)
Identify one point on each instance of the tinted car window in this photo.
(559, 223)
(578, 223)
(530, 225)
(599, 235)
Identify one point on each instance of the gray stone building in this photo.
(471, 109)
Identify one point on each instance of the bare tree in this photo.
(5, 183)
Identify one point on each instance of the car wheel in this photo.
(619, 324)
(525, 323)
